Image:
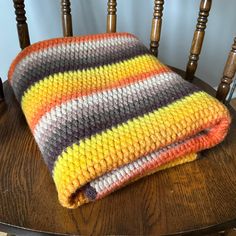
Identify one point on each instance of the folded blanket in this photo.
(105, 112)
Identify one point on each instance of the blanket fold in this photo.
(105, 112)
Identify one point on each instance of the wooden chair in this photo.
(195, 198)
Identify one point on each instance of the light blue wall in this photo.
(89, 16)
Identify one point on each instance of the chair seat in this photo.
(198, 196)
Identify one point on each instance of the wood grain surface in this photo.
(233, 103)
(111, 16)
(228, 74)
(22, 26)
(156, 26)
(199, 196)
(66, 18)
(198, 37)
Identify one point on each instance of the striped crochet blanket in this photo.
(105, 112)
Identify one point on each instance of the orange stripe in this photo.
(213, 137)
(56, 41)
(58, 101)
(217, 129)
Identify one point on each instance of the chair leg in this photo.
(1, 91)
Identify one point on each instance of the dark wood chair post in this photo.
(22, 27)
(1, 91)
(228, 75)
(156, 26)
(198, 38)
(66, 18)
(111, 16)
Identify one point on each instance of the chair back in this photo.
(195, 50)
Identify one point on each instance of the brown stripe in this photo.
(56, 41)
(64, 59)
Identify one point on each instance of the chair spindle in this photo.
(66, 18)
(156, 26)
(22, 27)
(111, 16)
(198, 38)
(228, 75)
(1, 91)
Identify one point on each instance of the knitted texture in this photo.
(105, 112)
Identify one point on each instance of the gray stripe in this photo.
(106, 181)
(72, 56)
(95, 113)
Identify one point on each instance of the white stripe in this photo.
(107, 98)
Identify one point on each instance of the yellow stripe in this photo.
(79, 164)
(55, 87)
